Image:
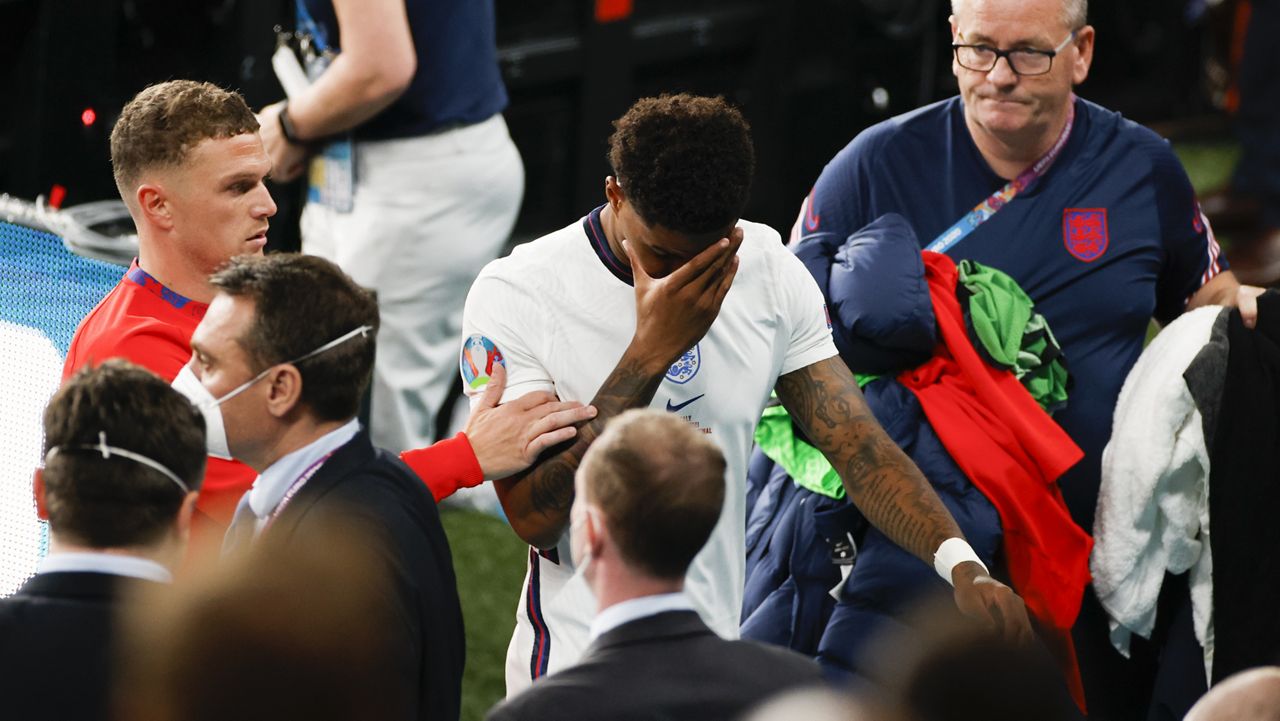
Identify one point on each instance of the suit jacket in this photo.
(666, 666)
(371, 485)
(56, 636)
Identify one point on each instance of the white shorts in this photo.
(429, 212)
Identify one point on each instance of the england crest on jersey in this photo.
(684, 369)
(1084, 232)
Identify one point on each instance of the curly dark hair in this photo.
(684, 161)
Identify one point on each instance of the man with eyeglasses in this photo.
(1090, 213)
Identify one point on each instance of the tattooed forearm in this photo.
(537, 501)
(882, 482)
(549, 494)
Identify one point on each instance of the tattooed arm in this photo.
(881, 481)
(824, 399)
(537, 501)
(672, 314)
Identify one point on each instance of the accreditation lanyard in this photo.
(310, 29)
(1002, 197)
(331, 174)
(293, 491)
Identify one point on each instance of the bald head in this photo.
(1075, 13)
(814, 704)
(1252, 695)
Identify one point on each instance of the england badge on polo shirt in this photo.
(1084, 232)
(686, 367)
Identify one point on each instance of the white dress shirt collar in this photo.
(270, 487)
(112, 563)
(637, 608)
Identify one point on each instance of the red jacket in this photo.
(446, 466)
(1013, 452)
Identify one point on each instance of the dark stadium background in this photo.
(808, 75)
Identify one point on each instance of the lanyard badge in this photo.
(331, 175)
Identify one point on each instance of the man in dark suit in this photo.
(647, 496)
(125, 457)
(284, 354)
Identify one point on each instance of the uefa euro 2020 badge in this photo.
(684, 369)
(479, 355)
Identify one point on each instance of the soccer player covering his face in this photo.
(664, 297)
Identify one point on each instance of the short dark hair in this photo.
(660, 484)
(302, 302)
(684, 161)
(117, 502)
(165, 121)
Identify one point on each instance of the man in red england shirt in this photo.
(190, 166)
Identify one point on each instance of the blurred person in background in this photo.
(1249, 209)
(414, 182)
(814, 705)
(1252, 695)
(937, 667)
(294, 628)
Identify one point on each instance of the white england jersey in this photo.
(561, 311)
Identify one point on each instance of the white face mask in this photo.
(215, 431)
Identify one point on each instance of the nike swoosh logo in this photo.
(673, 407)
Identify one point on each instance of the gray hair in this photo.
(1075, 13)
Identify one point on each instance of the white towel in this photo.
(1153, 504)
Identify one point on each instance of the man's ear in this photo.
(182, 524)
(285, 390)
(595, 530)
(613, 193)
(955, 66)
(37, 490)
(153, 205)
(1084, 54)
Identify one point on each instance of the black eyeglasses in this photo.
(983, 58)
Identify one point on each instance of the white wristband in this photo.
(952, 552)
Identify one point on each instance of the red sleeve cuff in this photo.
(446, 466)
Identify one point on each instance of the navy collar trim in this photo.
(592, 226)
(147, 282)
